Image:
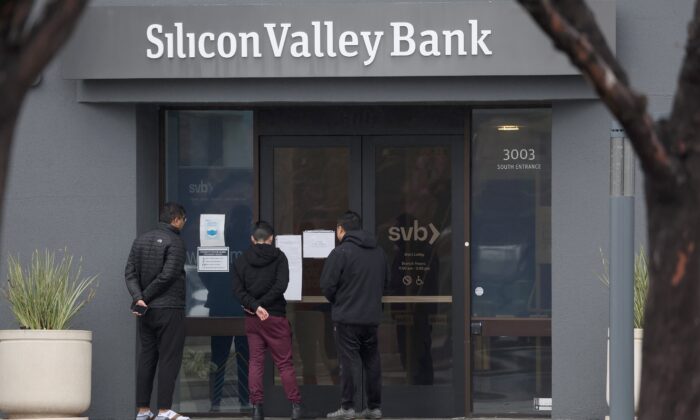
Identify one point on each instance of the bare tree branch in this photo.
(13, 16)
(577, 41)
(581, 17)
(46, 36)
(684, 122)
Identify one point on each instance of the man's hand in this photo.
(140, 302)
(262, 313)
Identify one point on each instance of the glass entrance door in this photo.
(306, 182)
(413, 201)
(511, 301)
(408, 190)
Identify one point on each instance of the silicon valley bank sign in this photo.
(316, 39)
(322, 42)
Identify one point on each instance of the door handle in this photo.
(476, 327)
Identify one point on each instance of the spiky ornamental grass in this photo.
(49, 293)
(641, 283)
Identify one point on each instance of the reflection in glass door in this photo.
(408, 190)
(511, 261)
(412, 192)
(307, 182)
(209, 168)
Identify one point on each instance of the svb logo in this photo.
(414, 233)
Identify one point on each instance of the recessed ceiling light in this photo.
(508, 127)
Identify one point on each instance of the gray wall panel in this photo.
(651, 40)
(73, 184)
(580, 191)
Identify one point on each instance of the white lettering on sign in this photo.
(414, 233)
(201, 188)
(277, 45)
(319, 41)
(401, 37)
(519, 154)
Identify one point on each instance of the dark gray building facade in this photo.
(473, 150)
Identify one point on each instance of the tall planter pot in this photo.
(45, 373)
(638, 339)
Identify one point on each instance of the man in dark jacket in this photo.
(353, 280)
(260, 278)
(155, 277)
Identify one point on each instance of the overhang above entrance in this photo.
(317, 39)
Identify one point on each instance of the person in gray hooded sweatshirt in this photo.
(353, 280)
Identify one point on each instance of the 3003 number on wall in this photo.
(519, 154)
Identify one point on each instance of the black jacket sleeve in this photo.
(133, 284)
(330, 276)
(172, 270)
(248, 301)
(280, 285)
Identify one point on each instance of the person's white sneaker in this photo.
(171, 415)
(374, 413)
(342, 414)
(148, 415)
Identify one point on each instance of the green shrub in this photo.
(49, 293)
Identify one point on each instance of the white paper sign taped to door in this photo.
(212, 259)
(291, 246)
(318, 243)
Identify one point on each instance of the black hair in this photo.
(171, 211)
(262, 230)
(350, 221)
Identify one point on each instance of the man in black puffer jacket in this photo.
(260, 278)
(353, 280)
(155, 277)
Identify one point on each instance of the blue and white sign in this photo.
(211, 230)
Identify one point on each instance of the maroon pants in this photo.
(273, 334)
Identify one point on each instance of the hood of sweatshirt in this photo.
(360, 238)
(261, 255)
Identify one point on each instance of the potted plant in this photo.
(641, 286)
(45, 368)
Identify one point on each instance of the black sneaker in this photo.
(296, 411)
(342, 414)
(258, 412)
(374, 413)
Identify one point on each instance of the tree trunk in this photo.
(669, 155)
(9, 112)
(670, 381)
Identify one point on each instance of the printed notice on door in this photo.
(212, 259)
(291, 246)
(211, 230)
(318, 243)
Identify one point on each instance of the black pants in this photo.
(162, 336)
(220, 351)
(358, 351)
